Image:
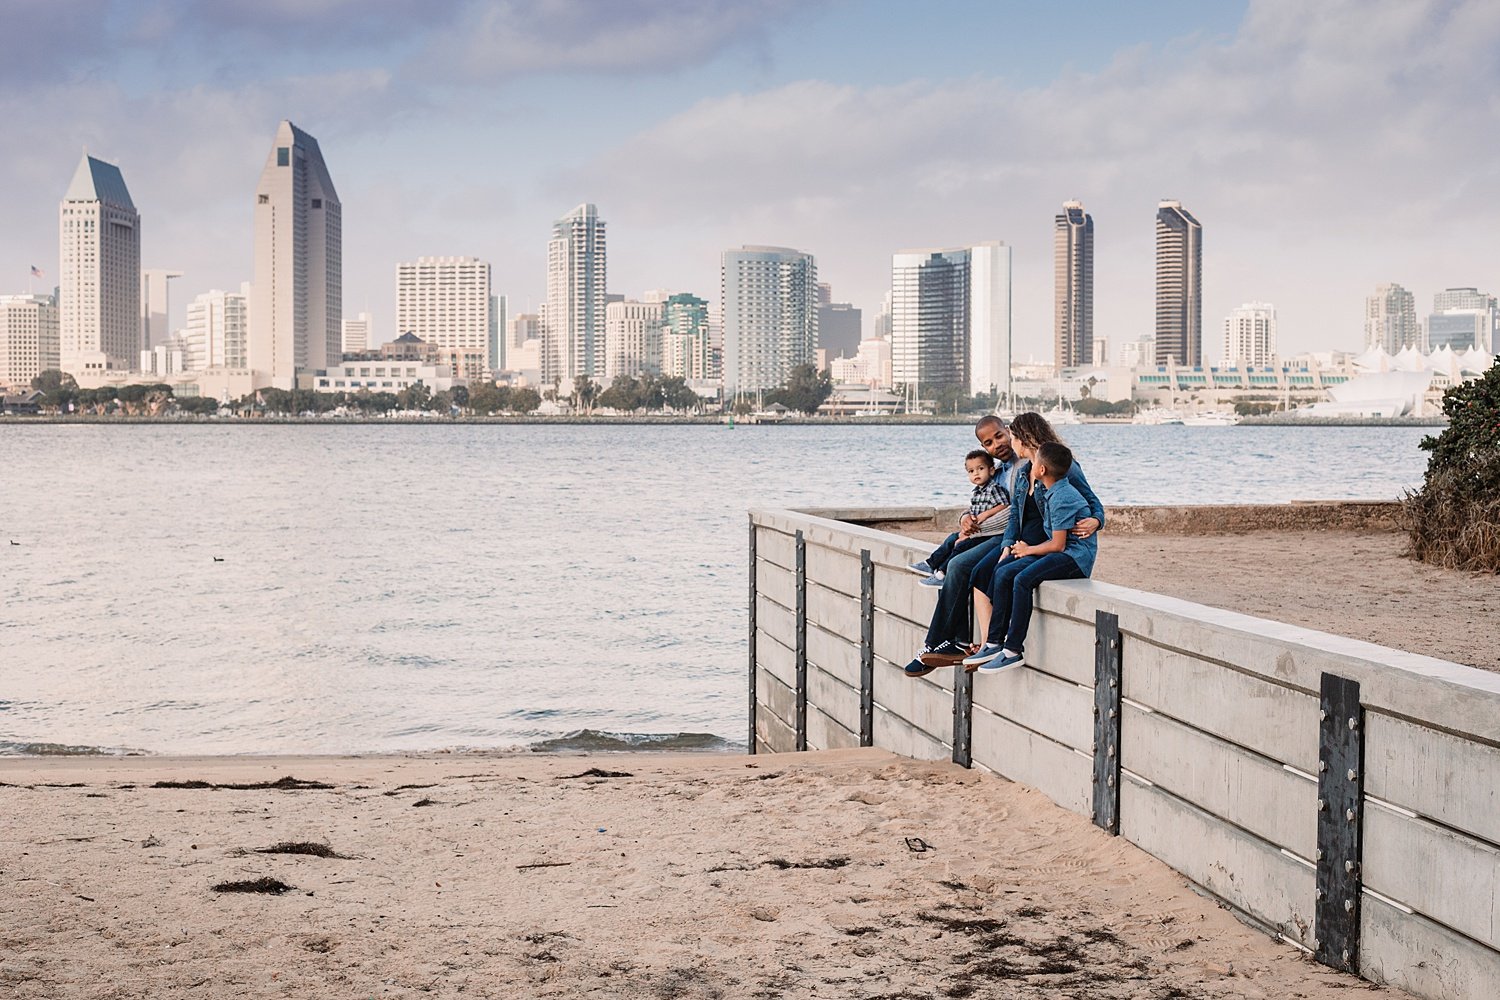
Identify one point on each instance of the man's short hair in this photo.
(980, 453)
(1056, 458)
(989, 420)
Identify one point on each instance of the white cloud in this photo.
(1325, 147)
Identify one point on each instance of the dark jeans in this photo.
(952, 546)
(1012, 587)
(950, 620)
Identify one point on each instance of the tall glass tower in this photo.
(770, 300)
(950, 318)
(1073, 254)
(573, 322)
(99, 271)
(1179, 286)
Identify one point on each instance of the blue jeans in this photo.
(950, 620)
(952, 546)
(1012, 586)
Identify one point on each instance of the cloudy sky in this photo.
(1326, 147)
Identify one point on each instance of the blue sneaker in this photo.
(916, 668)
(986, 653)
(1007, 659)
(921, 568)
(935, 580)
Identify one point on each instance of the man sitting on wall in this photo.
(951, 617)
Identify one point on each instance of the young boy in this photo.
(989, 509)
(1061, 557)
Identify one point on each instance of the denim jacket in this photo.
(1033, 532)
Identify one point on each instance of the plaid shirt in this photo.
(993, 494)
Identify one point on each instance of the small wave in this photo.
(11, 748)
(592, 740)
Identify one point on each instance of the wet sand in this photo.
(839, 874)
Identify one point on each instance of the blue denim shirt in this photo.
(1034, 532)
(1062, 508)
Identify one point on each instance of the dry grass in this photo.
(1451, 524)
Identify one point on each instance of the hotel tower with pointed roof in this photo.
(99, 271)
(297, 298)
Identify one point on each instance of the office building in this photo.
(155, 306)
(870, 366)
(769, 297)
(29, 338)
(573, 321)
(524, 327)
(355, 337)
(839, 325)
(687, 345)
(1179, 286)
(1462, 318)
(1073, 303)
(297, 297)
(1391, 319)
(632, 338)
(99, 289)
(1250, 335)
(950, 318)
(217, 334)
(448, 302)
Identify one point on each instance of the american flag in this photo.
(37, 272)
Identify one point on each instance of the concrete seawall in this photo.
(1344, 795)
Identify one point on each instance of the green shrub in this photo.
(1453, 521)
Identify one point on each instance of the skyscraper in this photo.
(573, 322)
(1179, 286)
(448, 301)
(218, 331)
(356, 333)
(840, 325)
(1073, 255)
(632, 338)
(687, 351)
(297, 298)
(1250, 335)
(524, 327)
(950, 318)
(155, 306)
(1462, 318)
(28, 338)
(1391, 319)
(770, 304)
(99, 288)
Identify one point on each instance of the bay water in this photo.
(362, 588)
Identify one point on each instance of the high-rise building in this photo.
(1391, 319)
(297, 297)
(218, 331)
(950, 318)
(883, 319)
(632, 338)
(1179, 286)
(155, 306)
(524, 327)
(1073, 305)
(356, 334)
(29, 339)
(769, 297)
(1250, 335)
(573, 323)
(99, 305)
(447, 301)
(687, 348)
(840, 325)
(1462, 318)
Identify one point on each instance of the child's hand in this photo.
(1019, 549)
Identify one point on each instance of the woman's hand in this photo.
(1086, 527)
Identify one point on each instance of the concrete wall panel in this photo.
(1059, 710)
(836, 655)
(1412, 953)
(1022, 755)
(895, 734)
(1444, 875)
(1446, 777)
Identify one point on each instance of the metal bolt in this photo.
(1320, 858)
(1322, 766)
(1113, 682)
(1348, 908)
(1113, 713)
(1353, 774)
(1111, 751)
(1353, 724)
(1346, 956)
(1320, 893)
(1110, 781)
(1322, 715)
(1349, 866)
(1114, 643)
(1349, 815)
(1322, 804)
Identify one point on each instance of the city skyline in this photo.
(779, 137)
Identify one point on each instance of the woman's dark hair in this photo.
(1033, 429)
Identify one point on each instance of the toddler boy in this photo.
(989, 509)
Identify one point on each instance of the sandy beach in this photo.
(840, 874)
